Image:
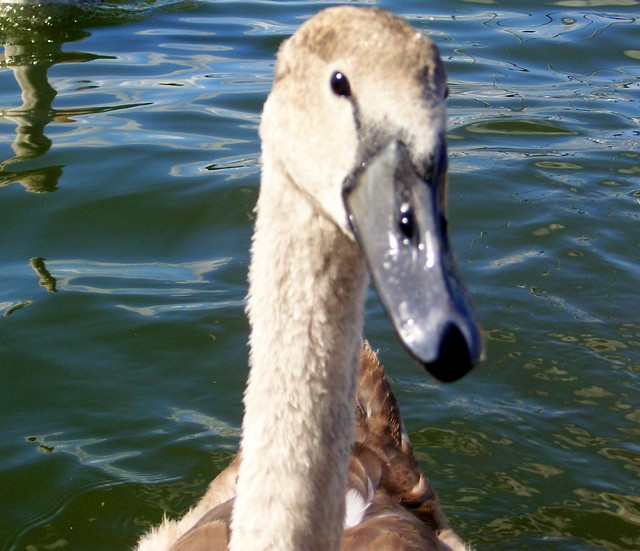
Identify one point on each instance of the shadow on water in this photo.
(33, 36)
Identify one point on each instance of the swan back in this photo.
(390, 505)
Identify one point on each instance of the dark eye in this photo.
(340, 84)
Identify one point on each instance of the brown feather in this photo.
(211, 532)
(400, 486)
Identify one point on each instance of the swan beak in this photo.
(398, 219)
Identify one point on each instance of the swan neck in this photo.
(307, 284)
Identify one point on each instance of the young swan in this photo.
(354, 169)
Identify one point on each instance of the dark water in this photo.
(128, 174)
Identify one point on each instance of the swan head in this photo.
(356, 121)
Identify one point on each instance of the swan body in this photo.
(352, 188)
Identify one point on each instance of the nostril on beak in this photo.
(454, 359)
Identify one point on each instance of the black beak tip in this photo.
(454, 359)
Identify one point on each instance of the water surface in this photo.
(128, 174)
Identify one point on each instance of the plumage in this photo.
(353, 183)
(395, 507)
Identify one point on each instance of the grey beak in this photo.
(399, 222)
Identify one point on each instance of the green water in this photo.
(128, 174)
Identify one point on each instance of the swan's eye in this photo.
(340, 84)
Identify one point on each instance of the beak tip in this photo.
(454, 359)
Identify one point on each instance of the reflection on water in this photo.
(142, 288)
(46, 279)
(33, 36)
(208, 425)
(560, 26)
(29, 51)
(83, 451)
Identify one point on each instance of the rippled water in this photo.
(128, 174)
